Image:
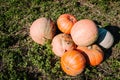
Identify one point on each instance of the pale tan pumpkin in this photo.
(42, 30)
(84, 32)
(62, 43)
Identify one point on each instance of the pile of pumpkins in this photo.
(76, 45)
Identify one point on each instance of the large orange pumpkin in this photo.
(73, 62)
(42, 29)
(62, 43)
(65, 22)
(84, 32)
(93, 54)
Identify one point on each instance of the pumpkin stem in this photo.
(89, 47)
(67, 68)
(70, 18)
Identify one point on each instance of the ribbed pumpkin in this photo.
(93, 54)
(42, 29)
(62, 43)
(84, 32)
(65, 22)
(73, 62)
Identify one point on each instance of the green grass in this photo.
(23, 59)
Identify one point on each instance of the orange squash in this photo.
(84, 32)
(93, 54)
(65, 22)
(42, 29)
(62, 43)
(73, 62)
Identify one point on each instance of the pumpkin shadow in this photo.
(107, 52)
(57, 30)
(114, 30)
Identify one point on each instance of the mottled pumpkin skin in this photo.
(42, 29)
(84, 32)
(73, 62)
(62, 43)
(65, 22)
(93, 54)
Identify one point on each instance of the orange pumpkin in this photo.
(42, 29)
(62, 43)
(65, 22)
(73, 62)
(93, 54)
(84, 32)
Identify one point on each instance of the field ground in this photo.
(23, 59)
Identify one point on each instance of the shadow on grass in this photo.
(114, 30)
(8, 41)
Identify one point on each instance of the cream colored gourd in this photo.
(105, 38)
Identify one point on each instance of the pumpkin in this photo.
(105, 38)
(93, 54)
(65, 22)
(73, 62)
(62, 43)
(84, 32)
(42, 29)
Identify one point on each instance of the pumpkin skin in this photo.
(42, 30)
(105, 38)
(73, 62)
(93, 54)
(65, 22)
(62, 43)
(84, 32)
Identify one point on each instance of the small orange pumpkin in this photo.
(42, 29)
(62, 43)
(84, 32)
(73, 62)
(93, 54)
(65, 22)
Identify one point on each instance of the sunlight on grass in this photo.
(23, 59)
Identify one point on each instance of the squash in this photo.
(42, 29)
(105, 38)
(84, 32)
(62, 43)
(65, 22)
(73, 62)
(93, 54)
